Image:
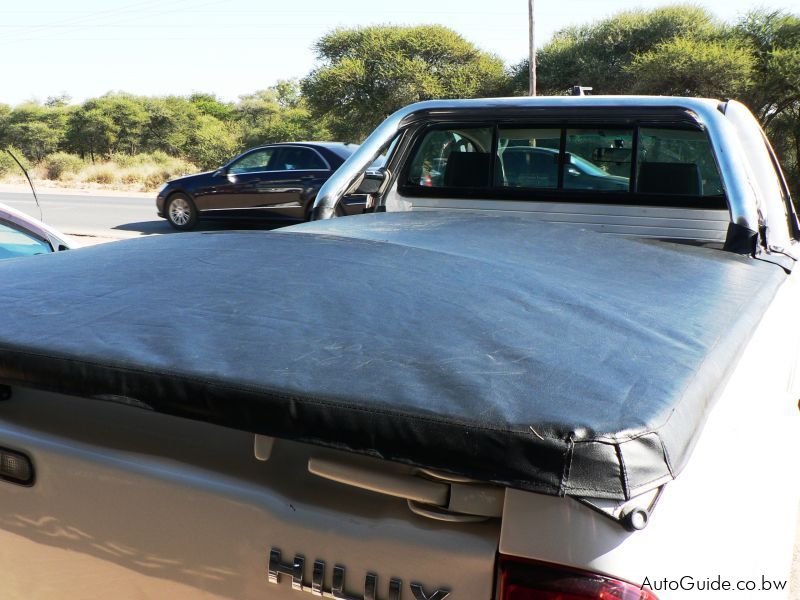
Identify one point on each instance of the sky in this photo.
(86, 48)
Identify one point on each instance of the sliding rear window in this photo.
(454, 158)
(675, 161)
(598, 159)
(527, 158)
(622, 165)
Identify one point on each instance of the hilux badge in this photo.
(295, 570)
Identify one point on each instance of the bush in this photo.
(160, 158)
(8, 165)
(132, 177)
(127, 161)
(59, 164)
(155, 179)
(178, 168)
(105, 174)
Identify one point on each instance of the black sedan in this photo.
(276, 182)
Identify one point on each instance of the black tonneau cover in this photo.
(500, 348)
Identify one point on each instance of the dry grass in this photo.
(104, 174)
(141, 172)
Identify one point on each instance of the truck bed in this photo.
(407, 337)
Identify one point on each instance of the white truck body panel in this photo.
(152, 506)
(705, 523)
(641, 221)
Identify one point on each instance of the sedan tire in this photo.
(181, 212)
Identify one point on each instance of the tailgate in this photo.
(148, 505)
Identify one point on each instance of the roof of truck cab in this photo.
(495, 347)
(693, 112)
(619, 105)
(589, 100)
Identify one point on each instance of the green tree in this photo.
(35, 129)
(57, 101)
(171, 121)
(367, 73)
(90, 131)
(277, 114)
(209, 104)
(774, 39)
(253, 110)
(5, 115)
(211, 142)
(287, 93)
(785, 138)
(103, 126)
(693, 67)
(291, 125)
(599, 54)
(129, 117)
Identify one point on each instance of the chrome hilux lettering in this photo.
(419, 593)
(295, 571)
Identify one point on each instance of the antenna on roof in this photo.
(579, 90)
(28, 177)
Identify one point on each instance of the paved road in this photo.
(103, 216)
(106, 217)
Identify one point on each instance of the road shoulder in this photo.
(24, 188)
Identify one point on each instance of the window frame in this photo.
(560, 194)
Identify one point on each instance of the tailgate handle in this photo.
(399, 486)
(447, 498)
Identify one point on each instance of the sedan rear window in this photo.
(298, 159)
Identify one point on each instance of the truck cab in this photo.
(697, 170)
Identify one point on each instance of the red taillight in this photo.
(521, 579)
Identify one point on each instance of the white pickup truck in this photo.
(559, 360)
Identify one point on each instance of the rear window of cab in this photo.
(648, 165)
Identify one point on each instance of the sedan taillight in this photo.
(521, 579)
